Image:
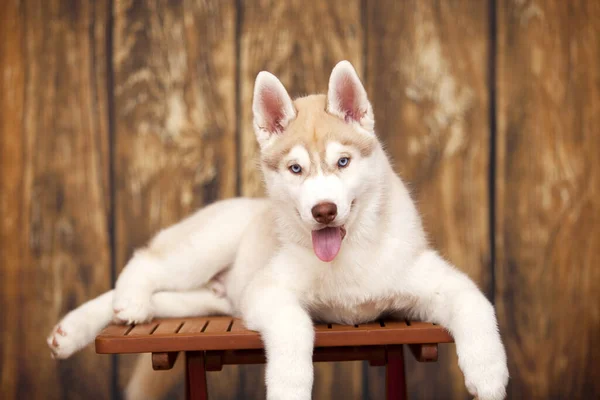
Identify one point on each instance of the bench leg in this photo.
(195, 376)
(395, 379)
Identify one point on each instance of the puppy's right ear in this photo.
(272, 108)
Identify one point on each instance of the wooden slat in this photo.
(168, 327)
(218, 325)
(174, 86)
(369, 326)
(548, 203)
(217, 337)
(417, 324)
(390, 335)
(427, 66)
(239, 327)
(54, 246)
(193, 325)
(322, 327)
(337, 327)
(117, 330)
(395, 325)
(142, 329)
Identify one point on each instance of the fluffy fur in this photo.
(254, 258)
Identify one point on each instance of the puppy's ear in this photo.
(347, 98)
(272, 108)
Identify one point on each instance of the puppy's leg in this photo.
(448, 297)
(196, 303)
(288, 334)
(183, 257)
(79, 327)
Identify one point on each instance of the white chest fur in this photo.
(355, 289)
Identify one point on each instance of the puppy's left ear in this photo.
(347, 97)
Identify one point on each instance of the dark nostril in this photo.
(324, 213)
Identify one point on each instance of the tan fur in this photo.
(313, 128)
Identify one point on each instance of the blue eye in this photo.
(343, 162)
(295, 169)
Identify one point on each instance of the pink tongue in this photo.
(327, 243)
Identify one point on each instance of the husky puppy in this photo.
(338, 239)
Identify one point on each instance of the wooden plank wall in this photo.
(548, 209)
(118, 118)
(174, 113)
(54, 188)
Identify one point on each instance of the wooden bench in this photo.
(211, 342)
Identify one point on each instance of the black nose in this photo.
(324, 212)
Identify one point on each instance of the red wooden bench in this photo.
(211, 342)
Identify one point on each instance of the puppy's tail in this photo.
(147, 384)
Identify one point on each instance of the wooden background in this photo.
(118, 118)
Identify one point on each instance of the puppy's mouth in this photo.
(327, 242)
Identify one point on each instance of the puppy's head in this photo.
(317, 153)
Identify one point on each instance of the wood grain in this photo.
(299, 42)
(174, 85)
(53, 191)
(548, 186)
(426, 77)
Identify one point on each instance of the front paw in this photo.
(486, 374)
(62, 342)
(132, 306)
(289, 380)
